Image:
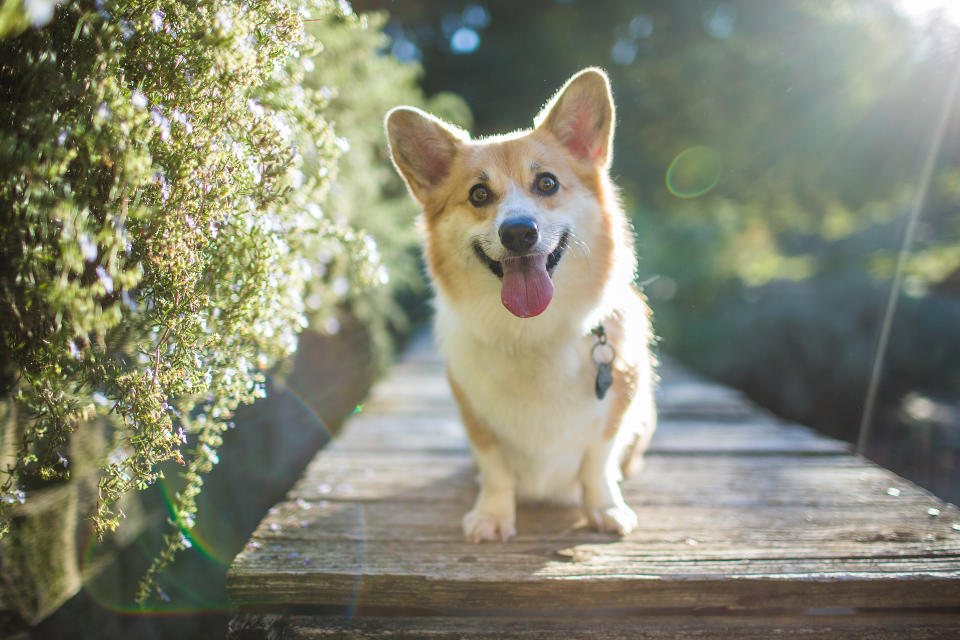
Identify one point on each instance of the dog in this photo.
(545, 338)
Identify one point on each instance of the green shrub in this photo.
(160, 168)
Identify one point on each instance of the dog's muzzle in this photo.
(526, 278)
(553, 259)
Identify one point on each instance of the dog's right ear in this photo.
(423, 148)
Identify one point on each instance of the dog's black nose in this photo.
(520, 234)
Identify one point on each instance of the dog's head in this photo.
(511, 206)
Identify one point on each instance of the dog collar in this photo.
(603, 354)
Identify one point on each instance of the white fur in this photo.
(530, 381)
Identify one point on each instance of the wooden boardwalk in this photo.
(748, 527)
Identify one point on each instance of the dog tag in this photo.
(604, 379)
(603, 354)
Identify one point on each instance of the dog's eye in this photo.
(479, 195)
(547, 183)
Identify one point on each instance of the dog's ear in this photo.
(423, 148)
(581, 117)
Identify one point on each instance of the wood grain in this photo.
(739, 513)
(820, 627)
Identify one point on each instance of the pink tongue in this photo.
(527, 289)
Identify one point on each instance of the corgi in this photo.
(546, 340)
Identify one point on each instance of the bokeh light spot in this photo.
(464, 40)
(641, 26)
(476, 16)
(719, 23)
(405, 50)
(624, 51)
(694, 172)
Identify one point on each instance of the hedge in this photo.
(163, 173)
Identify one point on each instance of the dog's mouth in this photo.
(527, 280)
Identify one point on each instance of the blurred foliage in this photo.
(163, 169)
(769, 151)
(362, 86)
(17, 15)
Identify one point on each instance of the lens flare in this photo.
(694, 172)
(194, 585)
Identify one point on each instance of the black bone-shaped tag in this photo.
(603, 354)
(604, 379)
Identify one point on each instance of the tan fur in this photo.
(625, 387)
(622, 392)
(524, 385)
(480, 436)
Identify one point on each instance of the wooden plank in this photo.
(695, 398)
(695, 480)
(379, 430)
(835, 626)
(616, 595)
(747, 437)
(667, 532)
(733, 530)
(739, 512)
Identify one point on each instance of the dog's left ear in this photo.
(581, 117)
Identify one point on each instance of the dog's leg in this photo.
(599, 478)
(631, 461)
(620, 448)
(493, 516)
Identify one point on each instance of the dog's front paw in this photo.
(618, 519)
(479, 526)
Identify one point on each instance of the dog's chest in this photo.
(536, 400)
